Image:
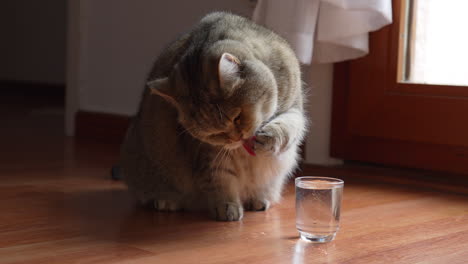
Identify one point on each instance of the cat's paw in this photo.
(257, 205)
(167, 205)
(228, 211)
(267, 141)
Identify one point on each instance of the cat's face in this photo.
(227, 105)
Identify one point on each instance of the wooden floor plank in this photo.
(422, 251)
(76, 250)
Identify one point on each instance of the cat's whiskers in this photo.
(190, 130)
(225, 156)
(215, 160)
(228, 154)
(220, 113)
(184, 131)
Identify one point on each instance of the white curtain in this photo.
(324, 31)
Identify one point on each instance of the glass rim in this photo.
(329, 180)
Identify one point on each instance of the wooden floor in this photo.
(58, 205)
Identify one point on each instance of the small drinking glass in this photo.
(318, 204)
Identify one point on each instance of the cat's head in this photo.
(223, 101)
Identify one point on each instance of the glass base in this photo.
(317, 239)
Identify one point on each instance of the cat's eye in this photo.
(237, 119)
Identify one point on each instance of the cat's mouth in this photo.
(247, 144)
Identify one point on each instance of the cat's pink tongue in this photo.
(249, 145)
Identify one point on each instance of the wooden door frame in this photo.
(349, 146)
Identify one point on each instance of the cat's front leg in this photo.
(226, 205)
(281, 132)
(222, 194)
(227, 211)
(257, 204)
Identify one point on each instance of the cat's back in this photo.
(263, 43)
(224, 25)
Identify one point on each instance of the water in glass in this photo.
(318, 204)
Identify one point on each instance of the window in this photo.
(435, 42)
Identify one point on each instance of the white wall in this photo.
(319, 79)
(32, 46)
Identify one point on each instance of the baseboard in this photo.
(102, 127)
(32, 88)
(36, 93)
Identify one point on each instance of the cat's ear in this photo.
(229, 70)
(161, 87)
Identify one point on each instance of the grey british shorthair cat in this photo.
(220, 121)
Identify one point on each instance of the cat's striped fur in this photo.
(215, 87)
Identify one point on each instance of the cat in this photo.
(220, 122)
